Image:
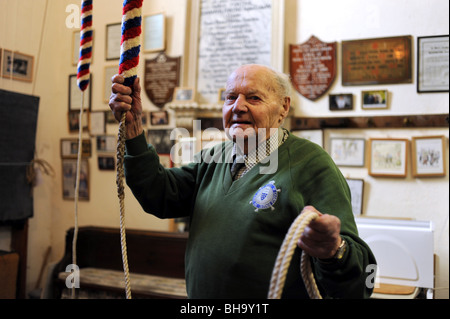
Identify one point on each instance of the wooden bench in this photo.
(155, 259)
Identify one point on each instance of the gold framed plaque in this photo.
(377, 61)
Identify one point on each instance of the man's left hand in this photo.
(321, 238)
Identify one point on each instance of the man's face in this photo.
(252, 103)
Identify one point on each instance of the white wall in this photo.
(21, 28)
(330, 21)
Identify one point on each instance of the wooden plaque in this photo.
(313, 67)
(376, 61)
(162, 76)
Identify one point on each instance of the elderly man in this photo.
(240, 214)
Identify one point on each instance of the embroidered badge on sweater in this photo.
(265, 197)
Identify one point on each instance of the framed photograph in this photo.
(106, 143)
(97, 124)
(17, 66)
(106, 163)
(75, 47)
(374, 99)
(144, 118)
(388, 157)
(357, 191)
(221, 96)
(109, 118)
(428, 156)
(165, 160)
(74, 121)
(69, 148)
(160, 139)
(432, 64)
(109, 72)
(113, 40)
(183, 95)
(348, 151)
(154, 32)
(159, 118)
(341, 102)
(69, 176)
(315, 136)
(75, 95)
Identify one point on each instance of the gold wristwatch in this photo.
(338, 255)
(341, 250)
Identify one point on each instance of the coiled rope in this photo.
(129, 60)
(284, 259)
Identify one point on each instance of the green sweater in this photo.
(232, 245)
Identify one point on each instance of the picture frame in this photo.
(154, 32)
(69, 176)
(374, 99)
(159, 118)
(432, 64)
(187, 148)
(428, 156)
(348, 151)
(1, 67)
(221, 97)
(69, 148)
(106, 163)
(160, 139)
(97, 123)
(17, 66)
(377, 61)
(340, 102)
(183, 94)
(108, 73)
(75, 47)
(113, 39)
(315, 136)
(74, 121)
(76, 95)
(109, 118)
(106, 143)
(388, 157)
(356, 186)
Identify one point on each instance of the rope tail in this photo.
(129, 60)
(284, 259)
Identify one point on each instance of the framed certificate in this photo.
(154, 32)
(113, 39)
(432, 64)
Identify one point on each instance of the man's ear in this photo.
(286, 106)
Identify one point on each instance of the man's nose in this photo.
(240, 104)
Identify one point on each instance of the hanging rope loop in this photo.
(284, 259)
(129, 60)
